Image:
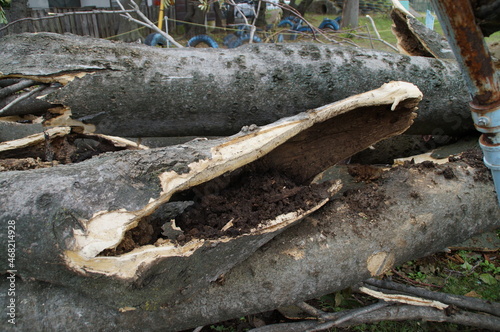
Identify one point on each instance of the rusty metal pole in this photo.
(467, 41)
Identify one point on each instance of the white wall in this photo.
(37, 4)
(96, 3)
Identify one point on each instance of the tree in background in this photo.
(196, 13)
(128, 30)
(18, 9)
(350, 14)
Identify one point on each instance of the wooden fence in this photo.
(99, 25)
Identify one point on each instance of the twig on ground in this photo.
(409, 312)
(326, 321)
(457, 300)
(373, 26)
(414, 281)
(473, 249)
(370, 36)
(349, 315)
(310, 309)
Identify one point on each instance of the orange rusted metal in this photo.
(465, 37)
(473, 56)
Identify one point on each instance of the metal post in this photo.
(161, 14)
(467, 41)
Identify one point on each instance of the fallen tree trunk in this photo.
(89, 233)
(137, 91)
(103, 217)
(417, 211)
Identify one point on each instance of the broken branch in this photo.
(465, 302)
(22, 84)
(403, 299)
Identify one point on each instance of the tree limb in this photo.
(4, 92)
(466, 302)
(257, 83)
(22, 97)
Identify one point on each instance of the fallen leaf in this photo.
(488, 279)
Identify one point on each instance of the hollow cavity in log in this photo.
(55, 146)
(230, 205)
(289, 146)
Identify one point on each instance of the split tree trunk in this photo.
(67, 216)
(132, 90)
(419, 212)
(88, 207)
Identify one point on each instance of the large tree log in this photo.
(67, 216)
(136, 91)
(419, 212)
(88, 207)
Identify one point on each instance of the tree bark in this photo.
(197, 16)
(138, 91)
(421, 212)
(350, 14)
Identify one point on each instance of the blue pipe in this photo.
(492, 161)
(489, 124)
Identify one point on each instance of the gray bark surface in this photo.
(138, 91)
(422, 212)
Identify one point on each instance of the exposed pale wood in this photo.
(112, 193)
(415, 39)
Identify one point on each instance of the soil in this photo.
(367, 201)
(474, 158)
(365, 173)
(245, 203)
(252, 199)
